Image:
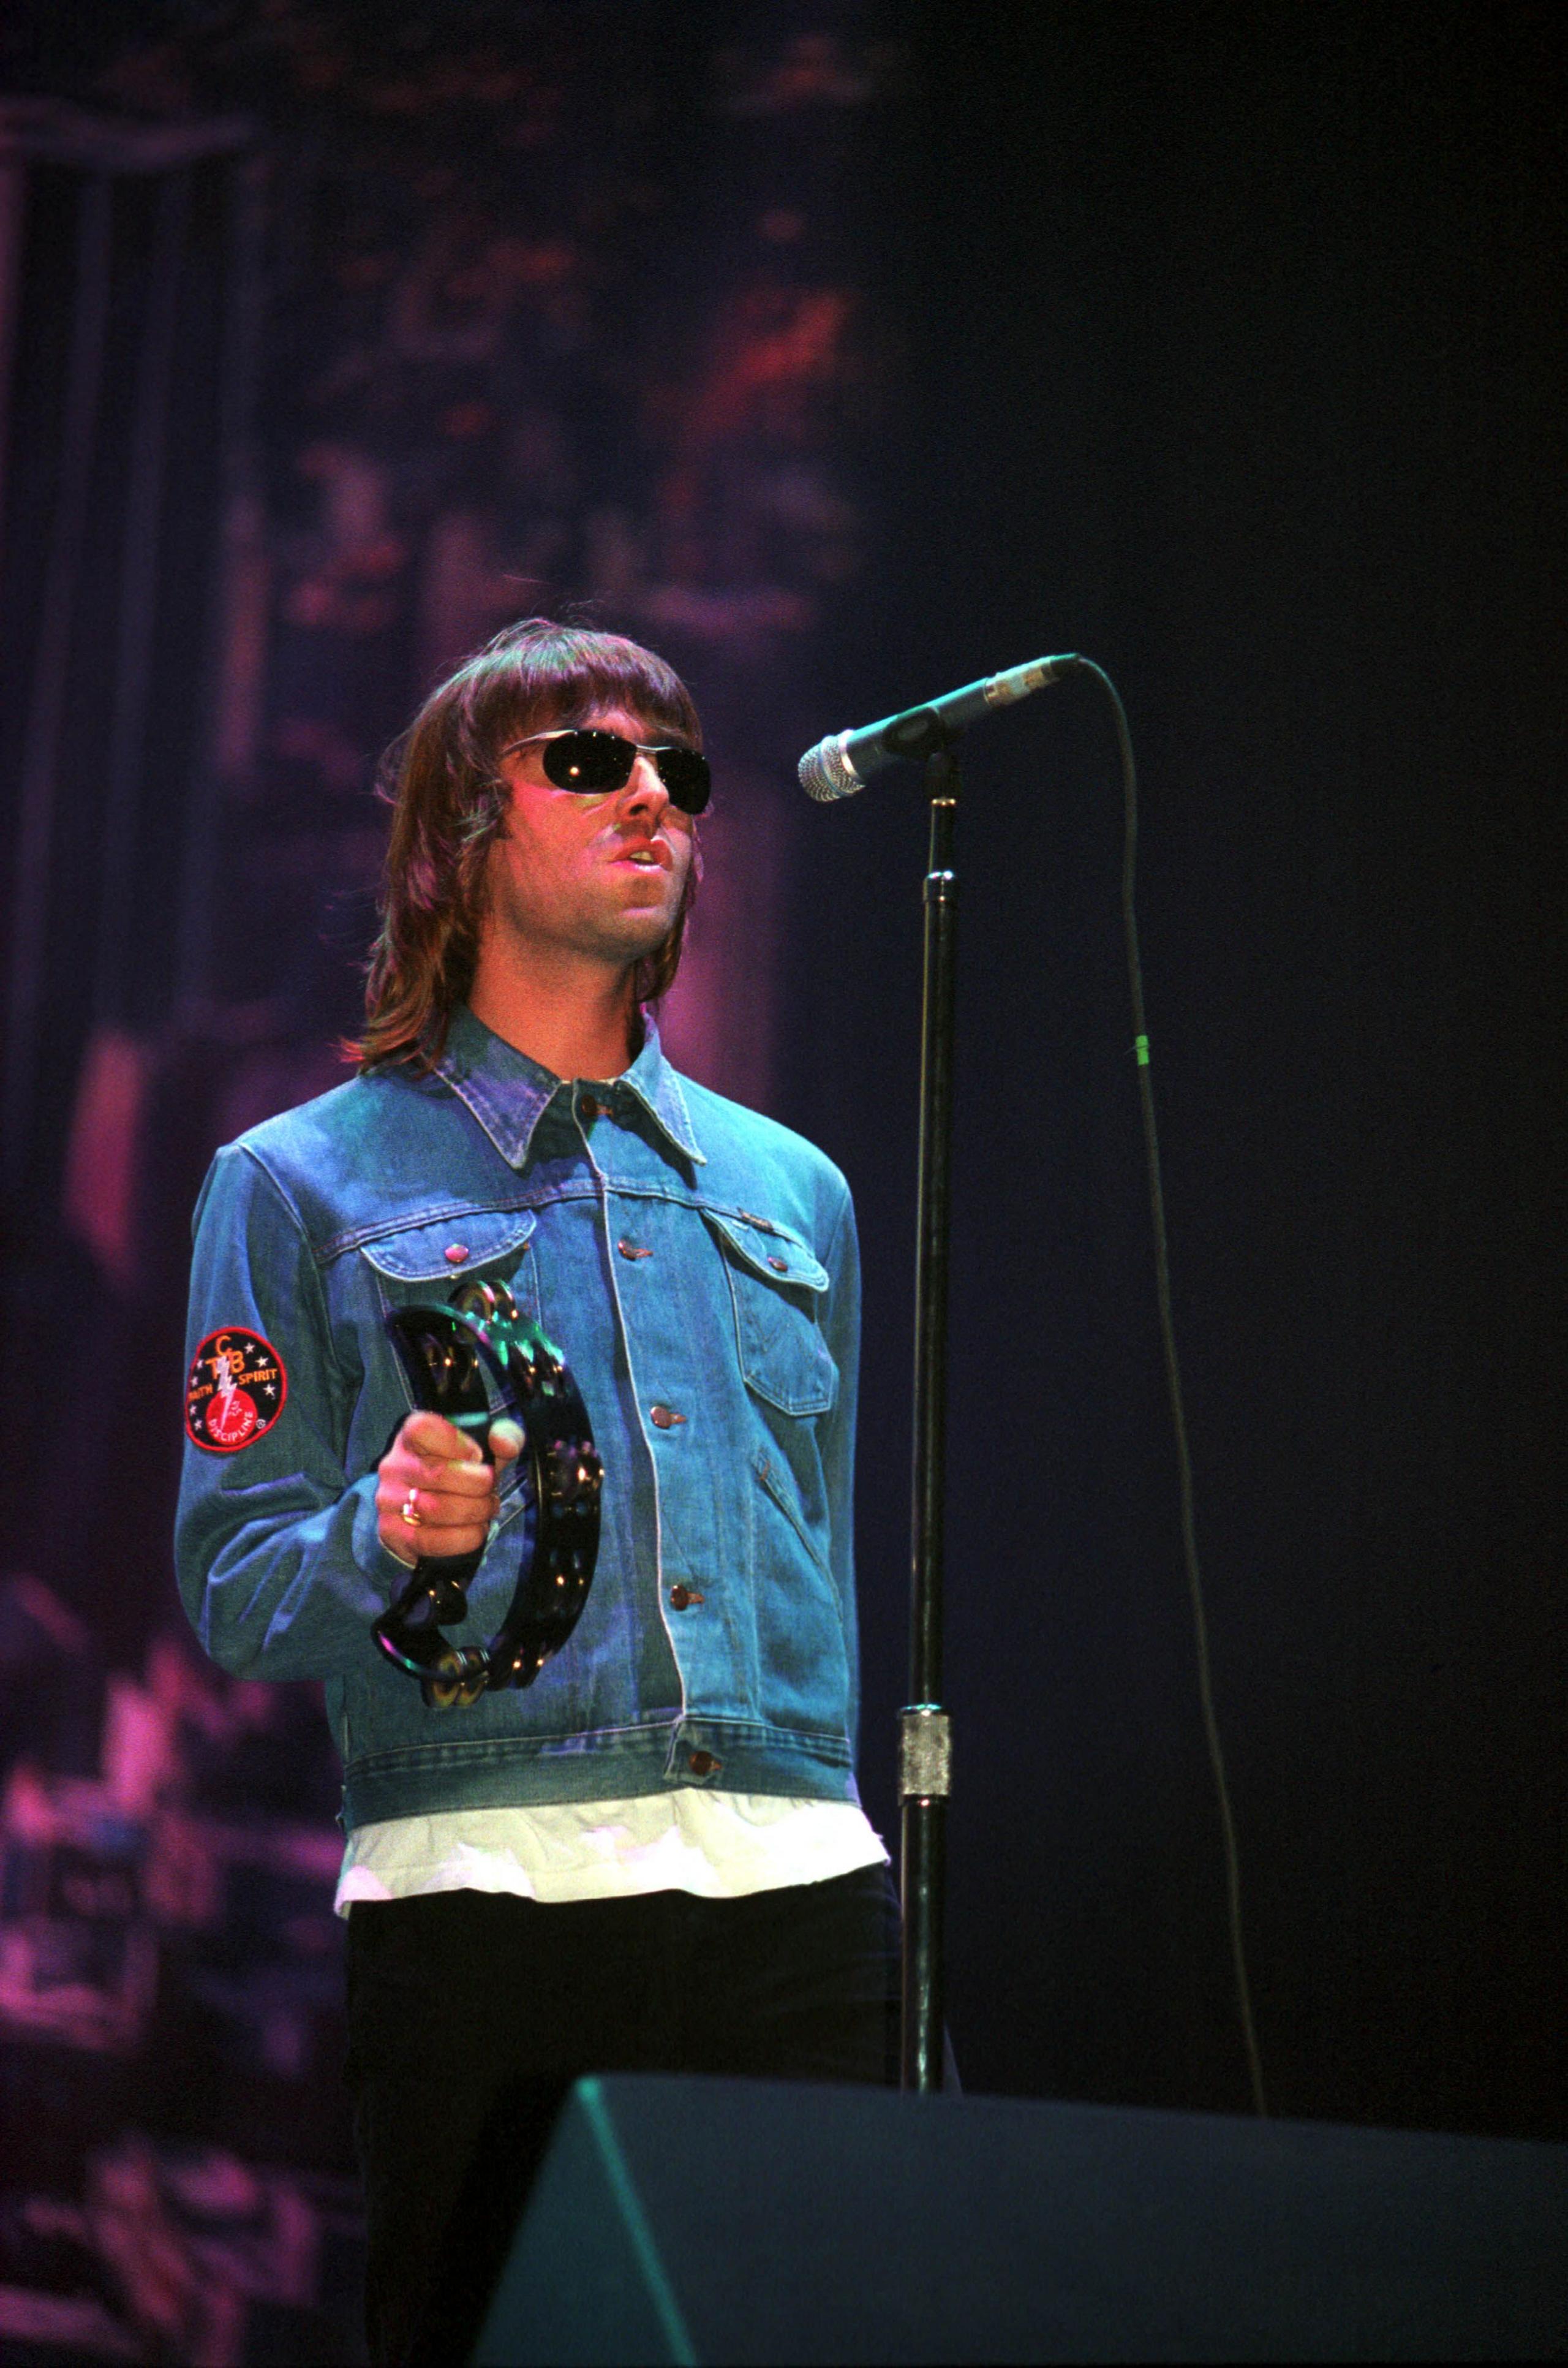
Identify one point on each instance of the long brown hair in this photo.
(449, 804)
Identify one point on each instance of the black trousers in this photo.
(469, 2016)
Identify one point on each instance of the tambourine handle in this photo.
(433, 1597)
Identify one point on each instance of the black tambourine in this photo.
(446, 1350)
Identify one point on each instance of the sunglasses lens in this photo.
(686, 776)
(590, 760)
(602, 761)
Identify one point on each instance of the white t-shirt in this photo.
(719, 1845)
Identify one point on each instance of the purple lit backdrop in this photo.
(338, 340)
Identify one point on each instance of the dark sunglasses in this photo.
(597, 762)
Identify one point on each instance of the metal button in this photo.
(663, 1417)
(779, 1266)
(632, 1249)
(702, 1763)
(684, 1596)
(456, 1253)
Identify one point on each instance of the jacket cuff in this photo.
(375, 1559)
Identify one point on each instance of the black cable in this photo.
(1173, 1380)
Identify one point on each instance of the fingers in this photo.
(430, 1454)
(418, 1522)
(506, 1440)
(431, 1434)
(434, 1494)
(409, 1537)
(423, 1510)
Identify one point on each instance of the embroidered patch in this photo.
(235, 1390)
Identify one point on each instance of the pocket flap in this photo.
(769, 1251)
(428, 1253)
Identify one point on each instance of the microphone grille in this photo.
(827, 773)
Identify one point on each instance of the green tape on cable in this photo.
(1140, 1046)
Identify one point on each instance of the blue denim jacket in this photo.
(686, 1254)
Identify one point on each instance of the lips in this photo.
(646, 854)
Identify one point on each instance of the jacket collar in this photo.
(508, 1094)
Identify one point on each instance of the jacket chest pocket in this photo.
(777, 1289)
(434, 1260)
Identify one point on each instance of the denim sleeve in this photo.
(280, 1567)
(841, 1327)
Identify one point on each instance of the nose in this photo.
(644, 793)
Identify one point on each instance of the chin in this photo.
(651, 922)
(642, 934)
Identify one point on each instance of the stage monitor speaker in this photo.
(686, 2220)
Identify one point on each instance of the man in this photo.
(655, 1857)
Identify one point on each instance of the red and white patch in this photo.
(234, 1391)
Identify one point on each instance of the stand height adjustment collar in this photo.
(925, 1753)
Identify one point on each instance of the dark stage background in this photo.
(843, 353)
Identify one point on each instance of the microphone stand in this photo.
(924, 1756)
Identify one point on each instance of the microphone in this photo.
(845, 761)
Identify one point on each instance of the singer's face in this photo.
(588, 875)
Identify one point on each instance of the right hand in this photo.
(436, 1471)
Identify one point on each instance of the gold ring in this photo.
(410, 1509)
